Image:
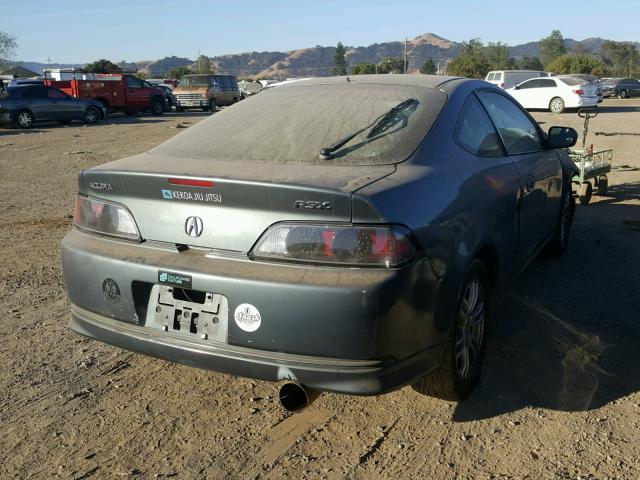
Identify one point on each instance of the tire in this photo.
(91, 115)
(24, 119)
(623, 94)
(584, 193)
(556, 105)
(212, 105)
(603, 185)
(559, 242)
(157, 106)
(459, 372)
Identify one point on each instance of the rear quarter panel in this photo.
(454, 202)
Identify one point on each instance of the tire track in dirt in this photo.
(281, 438)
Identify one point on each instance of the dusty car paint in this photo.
(350, 330)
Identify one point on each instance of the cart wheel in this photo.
(584, 193)
(603, 185)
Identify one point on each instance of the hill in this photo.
(318, 60)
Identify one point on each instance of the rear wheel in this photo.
(556, 105)
(212, 105)
(462, 361)
(24, 119)
(623, 94)
(91, 115)
(559, 242)
(603, 185)
(584, 193)
(157, 106)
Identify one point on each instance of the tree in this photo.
(530, 63)
(582, 63)
(179, 72)
(142, 75)
(363, 69)
(472, 62)
(552, 47)
(340, 61)
(7, 46)
(391, 65)
(623, 58)
(428, 67)
(498, 56)
(203, 65)
(101, 66)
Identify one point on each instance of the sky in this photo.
(79, 31)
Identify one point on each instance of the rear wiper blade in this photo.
(326, 153)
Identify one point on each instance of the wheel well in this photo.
(489, 258)
(103, 101)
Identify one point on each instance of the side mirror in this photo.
(561, 137)
(516, 87)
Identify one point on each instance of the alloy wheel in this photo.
(567, 218)
(470, 330)
(91, 115)
(24, 119)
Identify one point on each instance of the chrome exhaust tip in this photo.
(295, 397)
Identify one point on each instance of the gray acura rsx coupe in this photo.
(341, 234)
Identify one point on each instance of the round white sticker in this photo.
(247, 317)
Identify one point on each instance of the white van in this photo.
(509, 78)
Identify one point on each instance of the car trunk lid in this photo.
(236, 202)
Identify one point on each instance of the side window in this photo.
(498, 76)
(133, 82)
(35, 92)
(234, 83)
(491, 77)
(518, 132)
(547, 83)
(529, 84)
(474, 131)
(56, 94)
(215, 82)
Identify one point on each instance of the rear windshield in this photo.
(292, 123)
(195, 80)
(572, 81)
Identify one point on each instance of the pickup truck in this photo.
(117, 93)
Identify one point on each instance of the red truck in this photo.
(116, 92)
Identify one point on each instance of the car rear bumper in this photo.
(355, 377)
(358, 331)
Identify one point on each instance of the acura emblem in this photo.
(193, 226)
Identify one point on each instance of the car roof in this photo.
(427, 81)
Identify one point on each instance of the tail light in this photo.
(349, 245)
(105, 218)
(578, 92)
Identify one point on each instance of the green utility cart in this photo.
(593, 164)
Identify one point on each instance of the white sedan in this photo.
(555, 93)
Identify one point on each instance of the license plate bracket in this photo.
(170, 310)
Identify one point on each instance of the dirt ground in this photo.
(559, 396)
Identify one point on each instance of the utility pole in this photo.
(405, 55)
(49, 61)
(199, 62)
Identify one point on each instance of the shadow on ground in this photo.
(566, 335)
